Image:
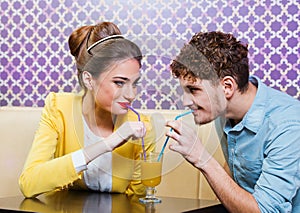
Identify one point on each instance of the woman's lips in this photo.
(124, 105)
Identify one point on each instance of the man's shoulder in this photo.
(282, 108)
(283, 101)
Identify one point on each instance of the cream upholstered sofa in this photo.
(180, 179)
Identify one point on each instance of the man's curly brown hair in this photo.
(212, 56)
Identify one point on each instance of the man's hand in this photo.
(188, 144)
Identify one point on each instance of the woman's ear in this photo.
(87, 79)
(229, 86)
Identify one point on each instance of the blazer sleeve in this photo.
(43, 171)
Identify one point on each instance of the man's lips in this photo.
(195, 110)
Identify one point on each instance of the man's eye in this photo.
(193, 90)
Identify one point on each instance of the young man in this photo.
(262, 127)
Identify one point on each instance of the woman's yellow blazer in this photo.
(49, 164)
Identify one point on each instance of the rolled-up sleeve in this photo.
(279, 181)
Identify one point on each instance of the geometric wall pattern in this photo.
(35, 58)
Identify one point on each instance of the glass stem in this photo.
(150, 192)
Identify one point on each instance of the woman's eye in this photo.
(119, 83)
(135, 84)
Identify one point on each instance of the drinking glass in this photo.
(151, 168)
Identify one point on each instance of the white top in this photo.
(98, 173)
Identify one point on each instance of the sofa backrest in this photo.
(180, 179)
(17, 128)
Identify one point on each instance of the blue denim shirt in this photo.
(263, 150)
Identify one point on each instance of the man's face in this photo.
(208, 101)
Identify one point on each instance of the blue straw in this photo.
(139, 119)
(167, 139)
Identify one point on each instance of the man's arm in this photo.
(232, 196)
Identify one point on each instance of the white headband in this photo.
(102, 40)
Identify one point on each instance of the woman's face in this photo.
(116, 88)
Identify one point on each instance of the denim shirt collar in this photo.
(253, 119)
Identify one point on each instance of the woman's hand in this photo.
(129, 129)
(134, 129)
(126, 131)
(188, 144)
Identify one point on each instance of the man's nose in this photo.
(187, 100)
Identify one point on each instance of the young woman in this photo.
(90, 140)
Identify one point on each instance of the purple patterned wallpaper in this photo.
(35, 58)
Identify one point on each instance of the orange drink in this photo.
(151, 173)
(151, 168)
